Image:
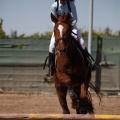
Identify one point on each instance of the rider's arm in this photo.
(73, 13)
(53, 9)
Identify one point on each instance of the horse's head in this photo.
(62, 30)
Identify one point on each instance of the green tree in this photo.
(97, 33)
(118, 33)
(36, 35)
(83, 33)
(22, 35)
(48, 34)
(107, 31)
(14, 33)
(2, 33)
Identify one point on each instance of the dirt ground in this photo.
(47, 103)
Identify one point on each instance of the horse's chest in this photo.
(67, 66)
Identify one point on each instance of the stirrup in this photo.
(49, 76)
(50, 72)
(92, 66)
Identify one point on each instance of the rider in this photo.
(60, 7)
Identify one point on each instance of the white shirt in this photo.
(62, 10)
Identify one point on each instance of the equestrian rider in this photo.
(63, 9)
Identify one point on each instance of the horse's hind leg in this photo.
(62, 92)
(83, 99)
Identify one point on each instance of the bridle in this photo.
(59, 50)
(63, 39)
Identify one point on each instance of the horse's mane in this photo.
(66, 19)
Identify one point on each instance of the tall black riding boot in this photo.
(92, 66)
(50, 64)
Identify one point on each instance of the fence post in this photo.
(119, 75)
(98, 61)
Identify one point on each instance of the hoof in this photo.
(83, 110)
(75, 104)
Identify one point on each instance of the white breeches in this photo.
(77, 37)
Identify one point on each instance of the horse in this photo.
(71, 71)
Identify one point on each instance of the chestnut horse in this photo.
(71, 71)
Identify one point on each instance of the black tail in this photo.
(95, 90)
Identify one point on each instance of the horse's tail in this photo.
(95, 90)
(89, 98)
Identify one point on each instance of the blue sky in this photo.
(31, 16)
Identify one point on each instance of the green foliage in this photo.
(22, 35)
(83, 33)
(36, 35)
(97, 33)
(48, 34)
(17, 46)
(118, 33)
(14, 34)
(2, 33)
(107, 32)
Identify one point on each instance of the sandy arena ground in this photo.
(47, 103)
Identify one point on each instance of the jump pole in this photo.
(57, 117)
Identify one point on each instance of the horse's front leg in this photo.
(74, 97)
(62, 92)
(83, 93)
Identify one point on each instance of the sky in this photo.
(31, 16)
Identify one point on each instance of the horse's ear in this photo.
(69, 17)
(53, 18)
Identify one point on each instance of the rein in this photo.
(57, 49)
(57, 41)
